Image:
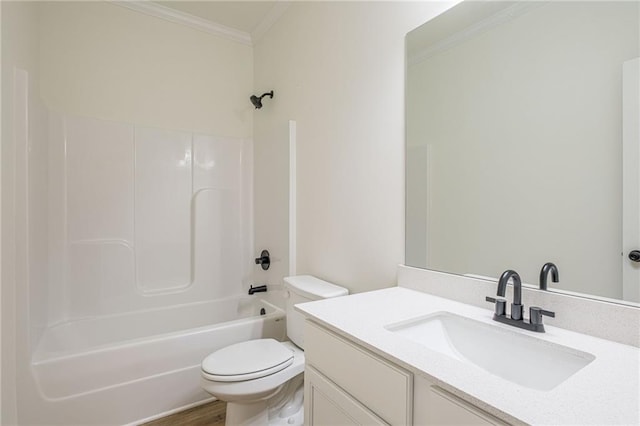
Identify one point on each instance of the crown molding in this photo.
(178, 17)
(276, 11)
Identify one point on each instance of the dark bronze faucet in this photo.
(544, 274)
(516, 306)
(516, 319)
(257, 289)
(264, 260)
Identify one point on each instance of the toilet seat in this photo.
(256, 389)
(248, 360)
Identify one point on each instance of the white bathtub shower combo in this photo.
(262, 379)
(140, 259)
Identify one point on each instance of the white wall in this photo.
(105, 61)
(19, 50)
(337, 68)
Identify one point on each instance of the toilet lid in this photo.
(247, 360)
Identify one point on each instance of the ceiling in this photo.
(244, 16)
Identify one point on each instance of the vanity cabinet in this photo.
(328, 404)
(361, 381)
(346, 384)
(436, 406)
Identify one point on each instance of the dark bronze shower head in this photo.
(257, 101)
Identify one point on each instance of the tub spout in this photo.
(257, 289)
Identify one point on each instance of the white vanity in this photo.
(366, 365)
(348, 384)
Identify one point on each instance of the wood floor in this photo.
(210, 414)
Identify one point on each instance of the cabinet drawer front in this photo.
(448, 409)
(328, 405)
(370, 379)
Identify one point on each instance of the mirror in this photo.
(522, 143)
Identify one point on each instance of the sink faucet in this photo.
(516, 319)
(516, 306)
(544, 274)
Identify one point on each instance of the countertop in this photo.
(605, 392)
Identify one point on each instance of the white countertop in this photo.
(605, 392)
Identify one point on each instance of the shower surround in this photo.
(139, 260)
(143, 218)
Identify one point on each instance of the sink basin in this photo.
(511, 355)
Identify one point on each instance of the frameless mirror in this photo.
(523, 143)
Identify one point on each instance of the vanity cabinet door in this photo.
(376, 383)
(328, 405)
(435, 406)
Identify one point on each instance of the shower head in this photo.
(257, 101)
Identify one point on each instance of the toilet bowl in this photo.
(262, 380)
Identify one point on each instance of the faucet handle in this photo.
(536, 314)
(516, 311)
(501, 305)
(264, 260)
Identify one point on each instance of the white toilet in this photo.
(262, 380)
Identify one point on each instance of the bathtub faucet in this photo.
(257, 289)
(264, 260)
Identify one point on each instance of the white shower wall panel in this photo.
(143, 218)
(99, 189)
(99, 274)
(216, 215)
(57, 287)
(38, 224)
(99, 180)
(163, 190)
(217, 163)
(217, 181)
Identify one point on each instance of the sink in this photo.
(513, 356)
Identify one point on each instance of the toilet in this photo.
(262, 380)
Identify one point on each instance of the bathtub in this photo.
(123, 369)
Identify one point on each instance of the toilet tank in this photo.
(301, 289)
